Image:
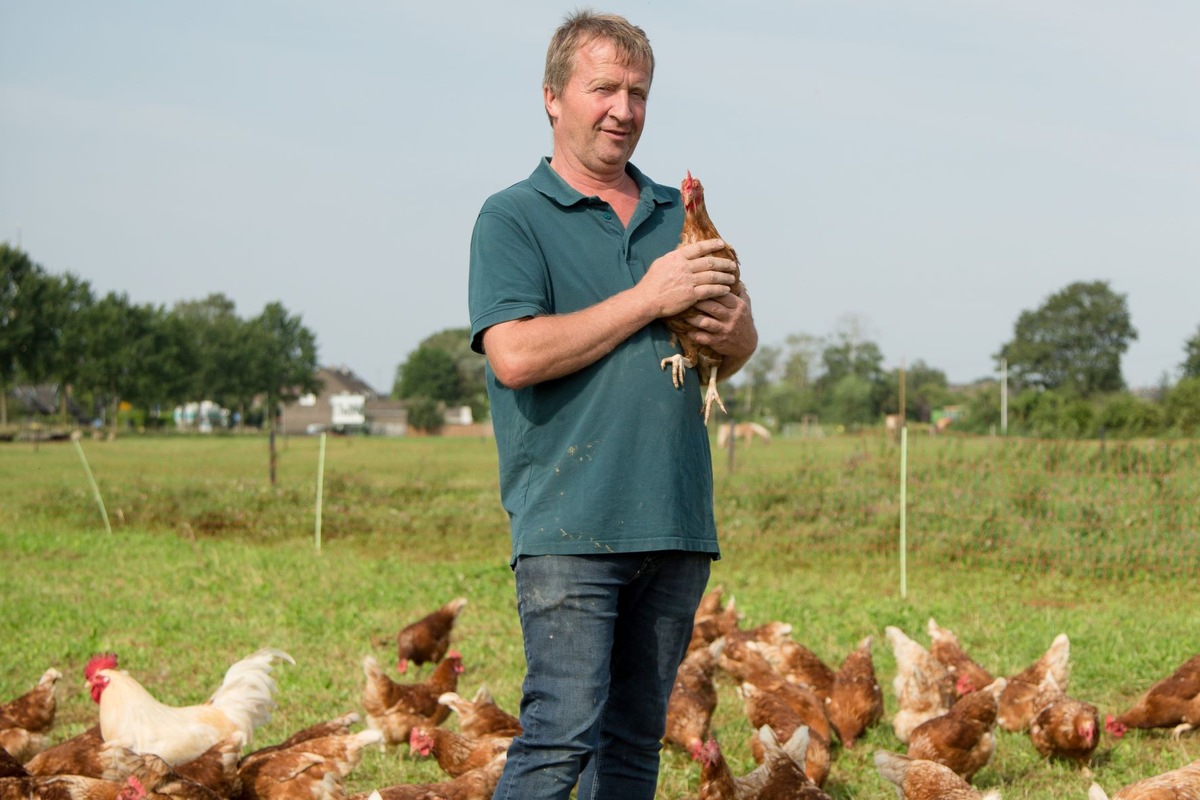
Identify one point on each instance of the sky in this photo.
(920, 171)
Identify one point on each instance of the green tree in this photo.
(850, 401)
(430, 372)
(218, 334)
(757, 379)
(114, 329)
(284, 357)
(167, 359)
(1181, 407)
(18, 322)
(849, 354)
(1073, 341)
(925, 388)
(471, 385)
(68, 304)
(1191, 356)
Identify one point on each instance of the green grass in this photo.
(207, 562)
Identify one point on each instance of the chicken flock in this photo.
(802, 713)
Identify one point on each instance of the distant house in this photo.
(345, 404)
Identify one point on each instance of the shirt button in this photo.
(607, 215)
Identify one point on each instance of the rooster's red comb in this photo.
(99, 662)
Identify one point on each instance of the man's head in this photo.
(598, 72)
(629, 42)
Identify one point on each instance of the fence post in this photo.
(320, 489)
(903, 511)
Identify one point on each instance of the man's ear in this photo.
(552, 103)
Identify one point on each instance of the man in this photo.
(605, 468)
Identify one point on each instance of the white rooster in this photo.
(132, 718)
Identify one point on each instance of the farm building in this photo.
(346, 403)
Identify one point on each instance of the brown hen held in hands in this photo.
(697, 226)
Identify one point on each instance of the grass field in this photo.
(1008, 545)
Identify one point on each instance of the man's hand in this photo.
(726, 324)
(686, 276)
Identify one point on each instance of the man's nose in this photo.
(622, 107)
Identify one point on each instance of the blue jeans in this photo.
(604, 635)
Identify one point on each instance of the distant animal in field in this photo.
(746, 431)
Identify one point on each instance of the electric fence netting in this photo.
(1109, 509)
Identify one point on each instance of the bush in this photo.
(425, 413)
(1181, 407)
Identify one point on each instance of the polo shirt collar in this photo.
(551, 184)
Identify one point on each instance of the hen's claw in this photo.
(679, 365)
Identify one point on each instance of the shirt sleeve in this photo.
(508, 277)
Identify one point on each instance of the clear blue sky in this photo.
(926, 170)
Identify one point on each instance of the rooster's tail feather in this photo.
(247, 695)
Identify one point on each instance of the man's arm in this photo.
(527, 351)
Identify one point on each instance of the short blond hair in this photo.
(583, 26)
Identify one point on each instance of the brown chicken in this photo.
(338, 726)
(779, 775)
(1178, 784)
(22, 744)
(154, 779)
(710, 603)
(712, 625)
(917, 779)
(478, 784)
(855, 701)
(944, 646)
(215, 769)
(1173, 702)
(394, 708)
(1016, 703)
(1063, 727)
(34, 710)
(802, 666)
(10, 767)
(745, 661)
(770, 707)
(693, 700)
(924, 687)
(131, 717)
(963, 738)
(697, 226)
(427, 640)
(454, 752)
(313, 769)
(59, 787)
(79, 755)
(481, 716)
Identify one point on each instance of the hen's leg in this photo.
(679, 364)
(711, 394)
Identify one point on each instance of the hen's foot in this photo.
(679, 366)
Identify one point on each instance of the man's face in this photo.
(598, 117)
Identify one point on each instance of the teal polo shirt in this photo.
(612, 458)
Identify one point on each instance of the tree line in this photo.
(1063, 366)
(105, 351)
